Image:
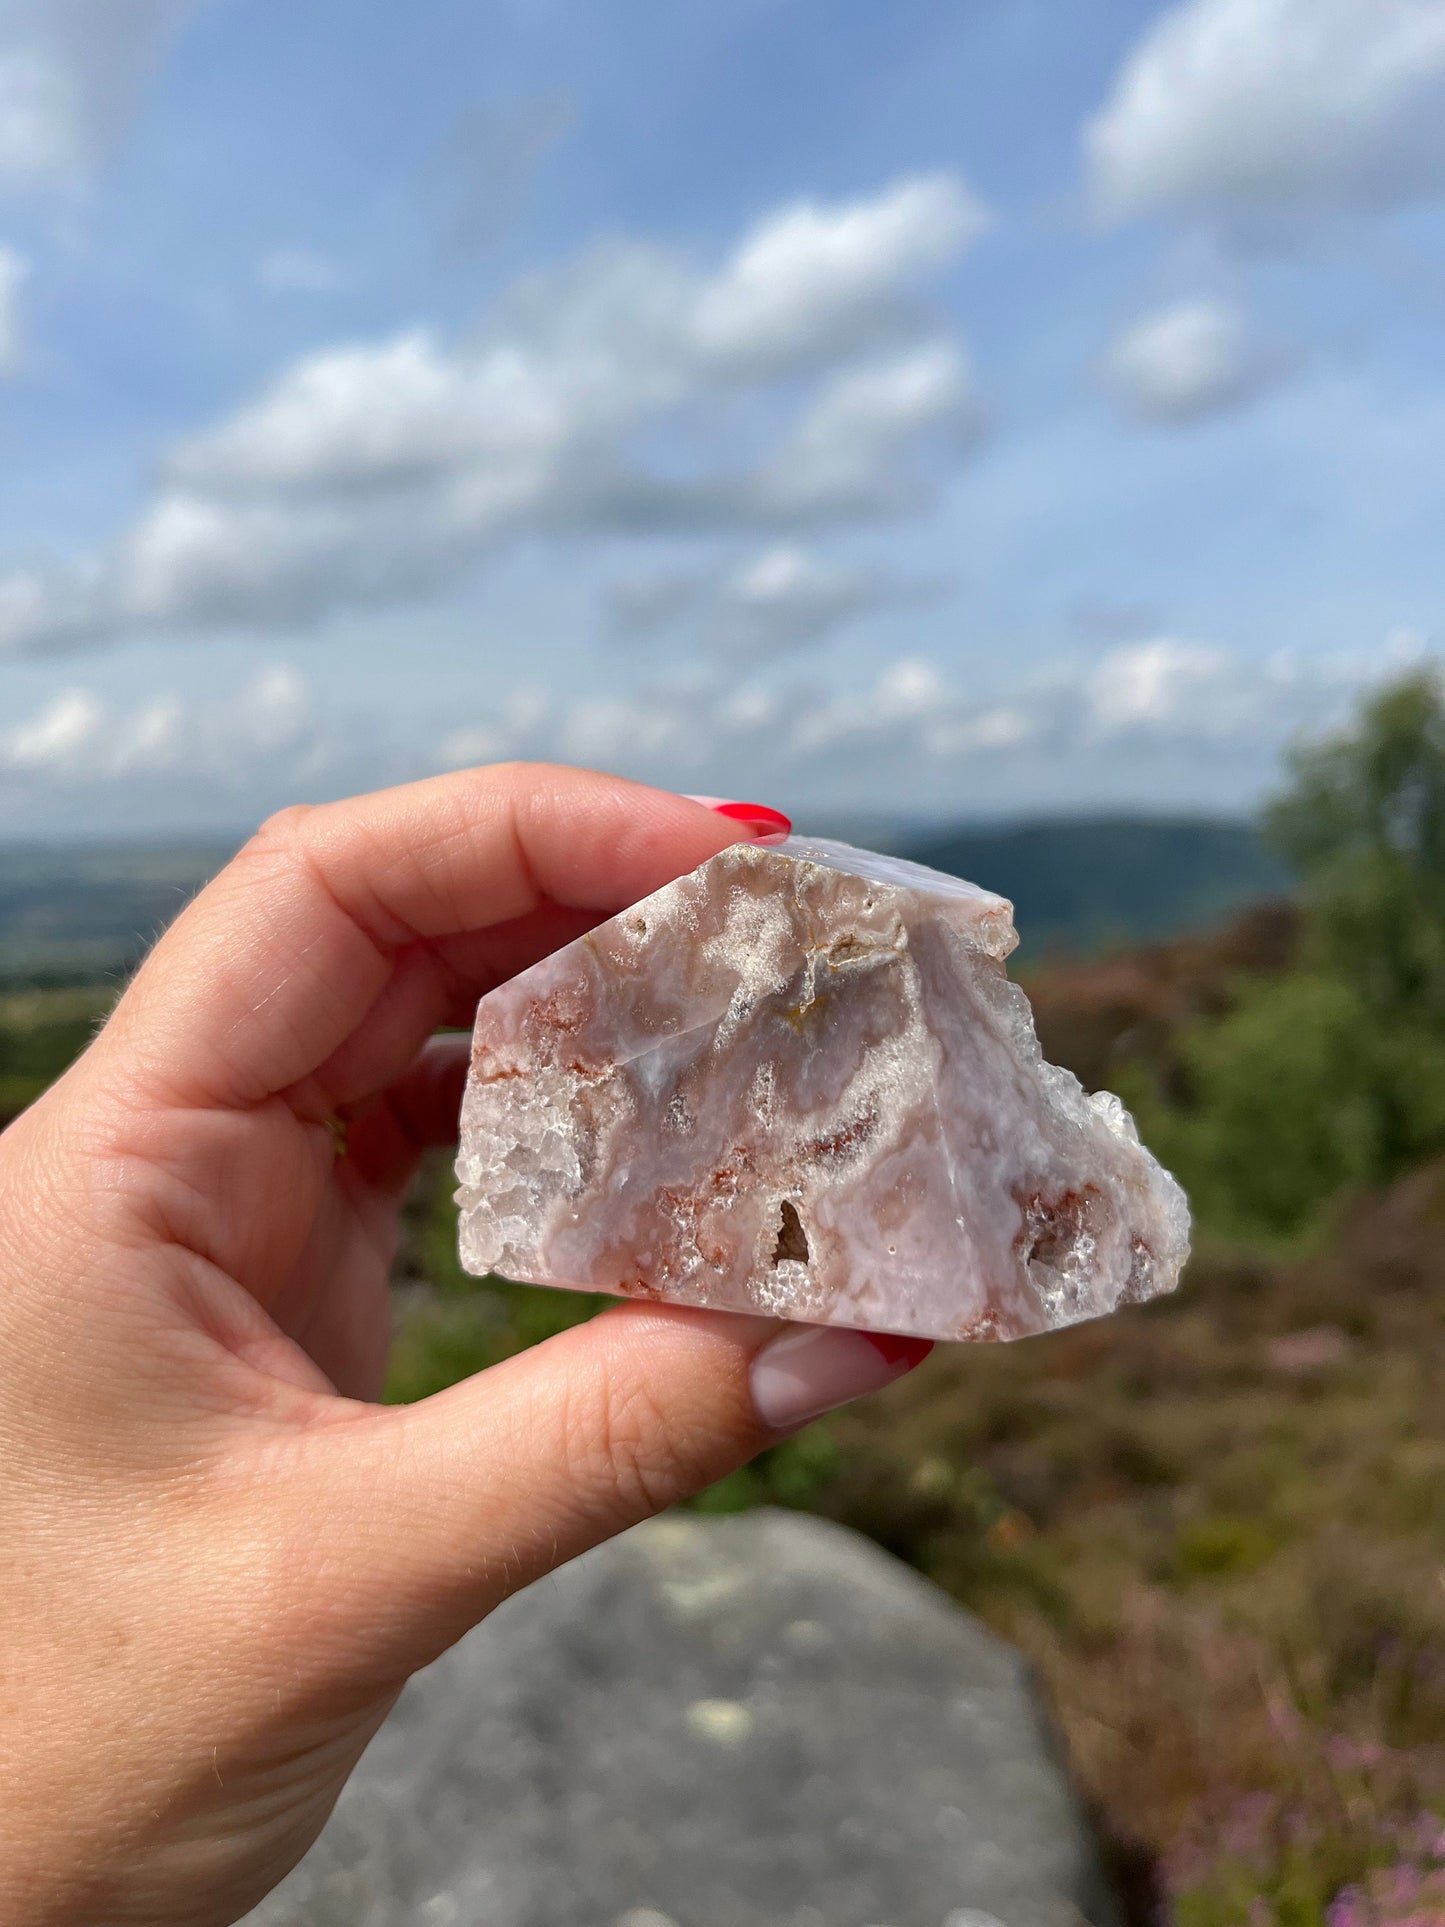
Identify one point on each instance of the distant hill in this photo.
(1086, 882)
(78, 912)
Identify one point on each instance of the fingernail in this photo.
(813, 1369)
(766, 825)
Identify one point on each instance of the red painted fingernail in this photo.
(898, 1350)
(767, 824)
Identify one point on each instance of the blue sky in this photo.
(973, 410)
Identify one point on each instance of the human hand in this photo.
(219, 1559)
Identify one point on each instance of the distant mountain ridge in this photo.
(79, 911)
(1077, 883)
(1084, 883)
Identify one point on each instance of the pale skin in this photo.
(220, 1559)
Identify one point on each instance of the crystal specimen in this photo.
(799, 1082)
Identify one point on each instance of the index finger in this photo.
(279, 959)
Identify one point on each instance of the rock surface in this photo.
(799, 1082)
(750, 1722)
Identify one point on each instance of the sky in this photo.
(868, 407)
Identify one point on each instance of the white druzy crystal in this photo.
(799, 1082)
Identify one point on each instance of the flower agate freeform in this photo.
(799, 1082)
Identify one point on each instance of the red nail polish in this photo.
(757, 816)
(898, 1350)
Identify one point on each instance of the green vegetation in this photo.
(1216, 1524)
(1279, 1114)
(41, 1032)
(1331, 1075)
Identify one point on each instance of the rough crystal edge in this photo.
(990, 931)
(994, 914)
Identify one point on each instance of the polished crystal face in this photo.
(799, 1082)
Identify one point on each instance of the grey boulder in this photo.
(759, 1721)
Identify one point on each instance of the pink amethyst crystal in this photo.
(799, 1082)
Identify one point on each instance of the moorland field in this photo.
(1217, 1523)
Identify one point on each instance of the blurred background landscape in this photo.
(1010, 434)
(1217, 1523)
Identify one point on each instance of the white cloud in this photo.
(909, 695)
(970, 735)
(1167, 720)
(711, 726)
(81, 740)
(55, 738)
(787, 597)
(297, 271)
(1243, 108)
(71, 74)
(784, 598)
(277, 706)
(517, 718)
(1184, 362)
(854, 450)
(14, 273)
(394, 413)
(147, 738)
(1162, 685)
(41, 614)
(38, 135)
(1159, 716)
(813, 280)
(381, 470)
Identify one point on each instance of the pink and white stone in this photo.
(799, 1082)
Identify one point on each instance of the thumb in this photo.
(451, 1505)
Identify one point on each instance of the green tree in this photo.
(1282, 1109)
(1363, 825)
(1334, 1075)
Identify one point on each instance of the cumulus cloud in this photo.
(14, 273)
(815, 280)
(704, 726)
(1164, 684)
(1188, 361)
(1166, 712)
(41, 614)
(859, 447)
(1190, 722)
(71, 73)
(57, 736)
(782, 599)
(381, 470)
(787, 598)
(80, 740)
(1238, 109)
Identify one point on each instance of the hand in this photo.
(219, 1559)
